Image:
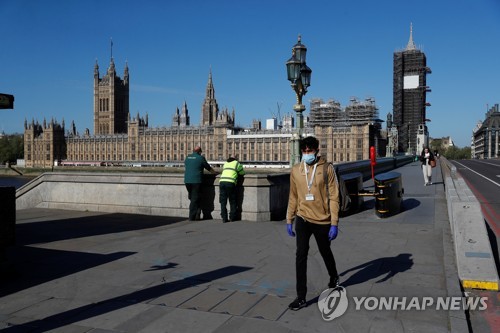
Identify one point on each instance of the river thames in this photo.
(16, 181)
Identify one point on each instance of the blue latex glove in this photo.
(332, 234)
(289, 229)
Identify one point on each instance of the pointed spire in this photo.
(411, 45)
(111, 66)
(210, 93)
(210, 83)
(125, 72)
(112, 61)
(111, 41)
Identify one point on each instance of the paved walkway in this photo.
(94, 272)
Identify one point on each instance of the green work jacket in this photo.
(194, 164)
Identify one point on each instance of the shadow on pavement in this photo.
(409, 204)
(27, 266)
(494, 245)
(31, 266)
(161, 267)
(51, 231)
(92, 310)
(377, 268)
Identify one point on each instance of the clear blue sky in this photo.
(49, 49)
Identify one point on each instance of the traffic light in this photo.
(6, 101)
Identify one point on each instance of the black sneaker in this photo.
(297, 304)
(334, 283)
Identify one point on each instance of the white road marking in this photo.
(497, 165)
(477, 173)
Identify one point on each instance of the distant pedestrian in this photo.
(315, 212)
(193, 177)
(231, 171)
(426, 158)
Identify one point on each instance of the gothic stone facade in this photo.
(44, 144)
(121, 139)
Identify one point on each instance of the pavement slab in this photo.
(106, 272)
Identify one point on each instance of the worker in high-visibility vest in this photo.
(231, 170)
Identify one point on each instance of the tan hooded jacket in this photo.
(315, 211)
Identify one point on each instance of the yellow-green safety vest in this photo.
(230, 172)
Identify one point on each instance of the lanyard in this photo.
(309, 183)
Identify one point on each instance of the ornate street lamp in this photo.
(299, 76)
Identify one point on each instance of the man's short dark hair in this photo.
(309, 142)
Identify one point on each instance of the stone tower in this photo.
(181, 119)
(209, 109)
(44, 143)
(409, 94)
(111, 101)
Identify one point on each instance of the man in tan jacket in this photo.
(315, 212)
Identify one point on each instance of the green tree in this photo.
(436, 144)
(466, 151)
(11, 148)
(456, 153)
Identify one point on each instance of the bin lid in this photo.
(388, 176)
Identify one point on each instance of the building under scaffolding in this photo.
(346, 134)
(331, 113)
(409, 95)
(325, 114)
(362, 112)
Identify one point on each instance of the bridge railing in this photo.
(262, 197)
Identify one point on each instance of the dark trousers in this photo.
(227, 191)
(194, 197)
(304, 230)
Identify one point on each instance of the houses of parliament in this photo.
(120, 138)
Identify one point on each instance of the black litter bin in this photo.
(354, 184)
(388, 194)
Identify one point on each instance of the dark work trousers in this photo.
(227, 191)
(304, 230)
(194, 197)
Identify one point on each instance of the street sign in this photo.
(6, 101)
